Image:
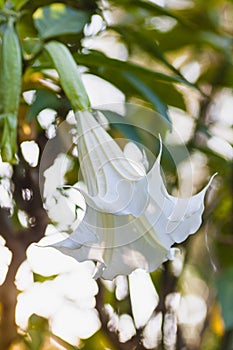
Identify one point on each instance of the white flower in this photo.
(122, 243)
(114, 184)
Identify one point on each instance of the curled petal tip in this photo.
(160, 138)
(99, 270)
(160, 148)
(209, 182)
(212, 177)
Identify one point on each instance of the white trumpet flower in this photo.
(121, 243)
(114, 184)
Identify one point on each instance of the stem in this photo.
(8, 295)
(17, 240)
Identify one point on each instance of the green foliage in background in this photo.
(161, 42)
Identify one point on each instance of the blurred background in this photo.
(166, 65)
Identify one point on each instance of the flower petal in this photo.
(123, 201)
(112, 182)
(187, 215)
(179, 217)
(122, 243)
(83, 234)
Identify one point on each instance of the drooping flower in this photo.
(121, 243)
(113, 184)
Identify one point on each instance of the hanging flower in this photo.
(121, 243)
(114, 184)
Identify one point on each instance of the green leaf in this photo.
(150, 95)
(219, 42)
(69, 75)
(18, 4)
(31, 47)
(8, 138)
(108, 69)
(156, 9)
(96, 58)
(25, 27)
(98, 341)
(224, 285)
(44, 99)
(174, 39)
(151, 8)
(119, 122)
(37, 327)
(59, 19)
(199, 17)
(146, 43)
(180, 37)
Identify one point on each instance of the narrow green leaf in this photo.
(119, 122)
(96, 58)
(149, 45)
(37, 327)
(31, 47)
(150, 95)
(44, 99)
(108, 69)
(219, 42)
(174, 39)
(69, 75)
(152, 8)
(18, 4)
(59, 19)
